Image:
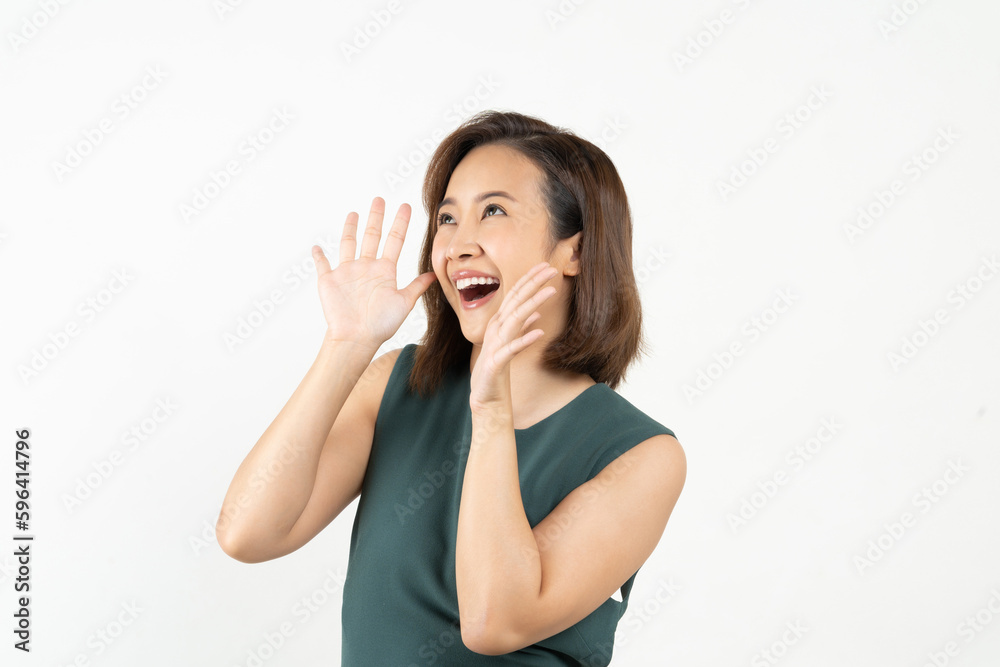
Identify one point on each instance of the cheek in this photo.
(439, 263)
(438, 260)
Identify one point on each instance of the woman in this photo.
(508, 494)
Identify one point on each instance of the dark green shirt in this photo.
(400, 601)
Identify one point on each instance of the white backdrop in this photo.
(814, 196)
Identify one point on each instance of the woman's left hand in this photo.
(505, 337)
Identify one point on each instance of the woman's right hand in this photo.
(360, 300)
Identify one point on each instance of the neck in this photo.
(537, 391)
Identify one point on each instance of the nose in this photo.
(463, 243)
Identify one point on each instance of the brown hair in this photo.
(583, 191)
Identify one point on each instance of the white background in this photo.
(894, 77)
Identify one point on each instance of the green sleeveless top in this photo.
(400, 605)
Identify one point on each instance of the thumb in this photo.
(418, 286)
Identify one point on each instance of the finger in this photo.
(525, 325)
(373, 230)
(533, 280)
(528, 338)
(508, 351)
(320, 260)
(349, 238)
(533, 303)
(418, 286)
(531, 320)
(528, 275)
(514, 295)
(397, 234)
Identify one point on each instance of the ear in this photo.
(569, 251)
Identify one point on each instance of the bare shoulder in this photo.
(665, 446)
(659, 459)
(383, 364)
(650, 477)
(665, 452)
(375, 378)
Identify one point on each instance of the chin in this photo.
(474, 336)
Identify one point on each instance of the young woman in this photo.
(508, 495)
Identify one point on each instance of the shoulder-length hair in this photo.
(603, 333)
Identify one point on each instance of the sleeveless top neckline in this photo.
(571, 405)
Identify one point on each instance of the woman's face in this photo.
(493, 221)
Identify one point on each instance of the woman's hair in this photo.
(583, 191)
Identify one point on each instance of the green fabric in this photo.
(400, 603)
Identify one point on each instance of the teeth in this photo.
(469, 282)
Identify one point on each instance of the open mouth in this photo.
(476, 291)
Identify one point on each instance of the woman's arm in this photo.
(518, 585)
(309, 463)
(273, 485)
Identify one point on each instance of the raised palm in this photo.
(360, 300)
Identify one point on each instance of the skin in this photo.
(516, 584)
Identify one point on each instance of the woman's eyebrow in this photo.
(448, 201)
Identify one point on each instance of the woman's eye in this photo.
(446, 219)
